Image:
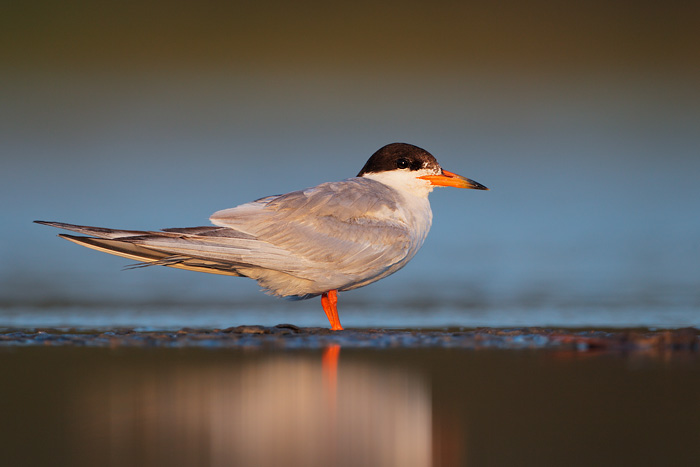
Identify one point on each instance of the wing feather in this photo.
(149, 257)
(354, 224)
(339, 235)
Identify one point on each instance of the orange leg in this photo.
(329, 301)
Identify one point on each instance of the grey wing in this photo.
(136, 245)
(338, 235)
(341, 234)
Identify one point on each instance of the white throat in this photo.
(405, 181)
(415, 210)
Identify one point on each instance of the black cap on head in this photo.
(399, 156)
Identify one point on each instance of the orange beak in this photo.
(451, 179)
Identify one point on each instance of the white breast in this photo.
(414, 210)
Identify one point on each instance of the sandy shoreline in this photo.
(286, 336)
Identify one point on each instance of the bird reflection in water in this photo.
(264, 409)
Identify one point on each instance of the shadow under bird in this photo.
(326, 239)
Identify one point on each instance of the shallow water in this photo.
(430, 406)
(353, 315)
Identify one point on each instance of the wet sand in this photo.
(287, 336)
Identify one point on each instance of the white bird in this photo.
(326, 239)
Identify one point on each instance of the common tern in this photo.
(333, 237)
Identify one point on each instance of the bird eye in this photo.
(403, 163)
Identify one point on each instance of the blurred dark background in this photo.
(584, 120)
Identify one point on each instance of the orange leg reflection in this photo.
(329, 364)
